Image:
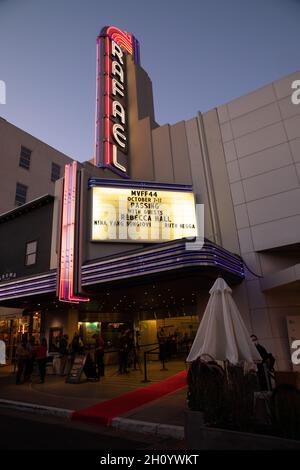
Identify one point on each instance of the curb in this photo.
(125, 424)
(164, 430)
(34, 408)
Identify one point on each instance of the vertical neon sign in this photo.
(111, 142)
(67, 246)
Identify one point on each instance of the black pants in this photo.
(162, 351)
(42, 368)
(28, 368)
(123, 356)
(20, 369)
(63, 364)
(99, 361)
(263, 377)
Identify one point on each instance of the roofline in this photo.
(40, 201)
(37, 138)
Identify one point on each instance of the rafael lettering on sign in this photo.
(111, 147)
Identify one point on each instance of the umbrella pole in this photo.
(226, 371)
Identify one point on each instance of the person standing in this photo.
(162, 342)
(63, 352)
(77, 346)
(265, 367)
(132, 358)
(2, 352)
(99, 354)
(21, 358)
(30, 359)
(41, 357)
(123, 353)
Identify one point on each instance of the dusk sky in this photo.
(199, 54)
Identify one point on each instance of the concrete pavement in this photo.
(22, 430)
(164, 416)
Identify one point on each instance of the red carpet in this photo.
(105, 411)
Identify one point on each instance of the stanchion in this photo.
(152, 351)
(145, 368)
(163, 363)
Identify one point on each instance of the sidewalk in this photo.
(164, 415)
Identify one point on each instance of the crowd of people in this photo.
(27, 353)
(30, 353)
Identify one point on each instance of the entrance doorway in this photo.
(16, 327)
(179, 332)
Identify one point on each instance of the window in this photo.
(55, 172)
(21, 193)
(31, 251)
(25, 158)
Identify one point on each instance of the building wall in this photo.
(33, 225)
(261, 140)
(37, 178)
(243, 160)
(67, 320)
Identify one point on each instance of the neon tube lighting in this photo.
(204, 256)
(166, 267)
(66, 264)
(130, 45)
(157, 251)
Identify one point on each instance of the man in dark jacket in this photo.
(123, 353)
(266, 366)
(99, 354)
(63, 352)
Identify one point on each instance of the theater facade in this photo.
(138, 235)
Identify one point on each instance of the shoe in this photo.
(41, 381)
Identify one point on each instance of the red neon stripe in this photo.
(67, 245)
(122, 38)
(63, 237)
(97, 126)
(120, 41)
(72, 196)
(107, 101)
(71, 296)
(66, 282)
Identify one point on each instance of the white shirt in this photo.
(2, 352)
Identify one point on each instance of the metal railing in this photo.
(152, 351)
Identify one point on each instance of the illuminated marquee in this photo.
(143, 215)
(111, 131)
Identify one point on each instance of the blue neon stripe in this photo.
(159, 260)
(17, 287)
(33, 291)
(24, 280)
(171, 265)
(136, 254)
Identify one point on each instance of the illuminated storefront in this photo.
(15, 326)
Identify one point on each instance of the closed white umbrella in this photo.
(222, 333)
